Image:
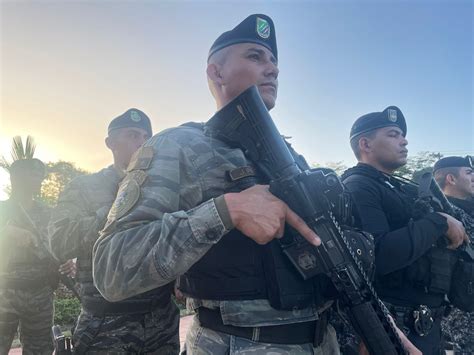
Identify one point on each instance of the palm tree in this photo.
(19, 151)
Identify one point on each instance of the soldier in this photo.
(403, 247)
(455, 176)
(185, 208)
(28, 274)
(144, 324)
(185, 212)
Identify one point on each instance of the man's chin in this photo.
(269, 102)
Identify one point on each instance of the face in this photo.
(250, 64)
(30, 182)
(126, 141)
(464, 182)
(387, 149)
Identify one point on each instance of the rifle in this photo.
(66, 280)
(62, 344)
(246, 123)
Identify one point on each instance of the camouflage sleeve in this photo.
(149, 243)
(73, 227)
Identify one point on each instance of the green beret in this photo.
(28, 166)
(391, 116)
(454, 162)
(256, 28)
(131, 118)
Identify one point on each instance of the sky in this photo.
(67, 68)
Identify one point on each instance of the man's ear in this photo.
(450, 179)
(109, 143)
(364, 144)
(214, 72)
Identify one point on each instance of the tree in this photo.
(418, 164)
(59, 175)
(338, 166)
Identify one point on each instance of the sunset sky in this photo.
(68, 67)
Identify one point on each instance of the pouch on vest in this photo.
(461, 293)
(433, 271)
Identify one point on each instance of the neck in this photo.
(119, 164)
(221, 103)
(24, 199)
(377, 166)
(454, 193)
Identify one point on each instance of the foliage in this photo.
(419, 164)
(66, 310)
(19, 151)
(59, 175)
(339, 167)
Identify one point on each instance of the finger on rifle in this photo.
(297, 223)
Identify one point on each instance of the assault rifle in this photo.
(246, 123)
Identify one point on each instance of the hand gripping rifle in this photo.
(432, 199)
(246, 123)
(460, 279)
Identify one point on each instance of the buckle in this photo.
(422, 320)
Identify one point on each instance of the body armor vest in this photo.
(237, 268)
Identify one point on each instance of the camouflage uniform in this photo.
(458, 326)
(161, 224)
(27, 279)
(73, 229)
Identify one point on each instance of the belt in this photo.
(295, 333)
(419, 318)
(436, 313)
(101, 307)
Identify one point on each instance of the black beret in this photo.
(391, 116)
(131, 118)
(256, 28)
(454, 162)
(28, 166)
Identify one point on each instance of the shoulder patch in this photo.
(127, 196)
(138, 175)
(142, 158)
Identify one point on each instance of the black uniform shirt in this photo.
(466, 205)
(384, 208)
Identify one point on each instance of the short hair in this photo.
(356, 139)
(441, 174)
(219, 57)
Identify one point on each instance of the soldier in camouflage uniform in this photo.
(144, 324)
(455, 175)
(27, 273)
(177, 212)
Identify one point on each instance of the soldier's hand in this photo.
(456, 233)
(407, 344)
(261, 216)
(19, 236)
(68, 268)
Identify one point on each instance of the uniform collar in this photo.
(466, 205)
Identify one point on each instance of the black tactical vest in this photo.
(237, 268)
